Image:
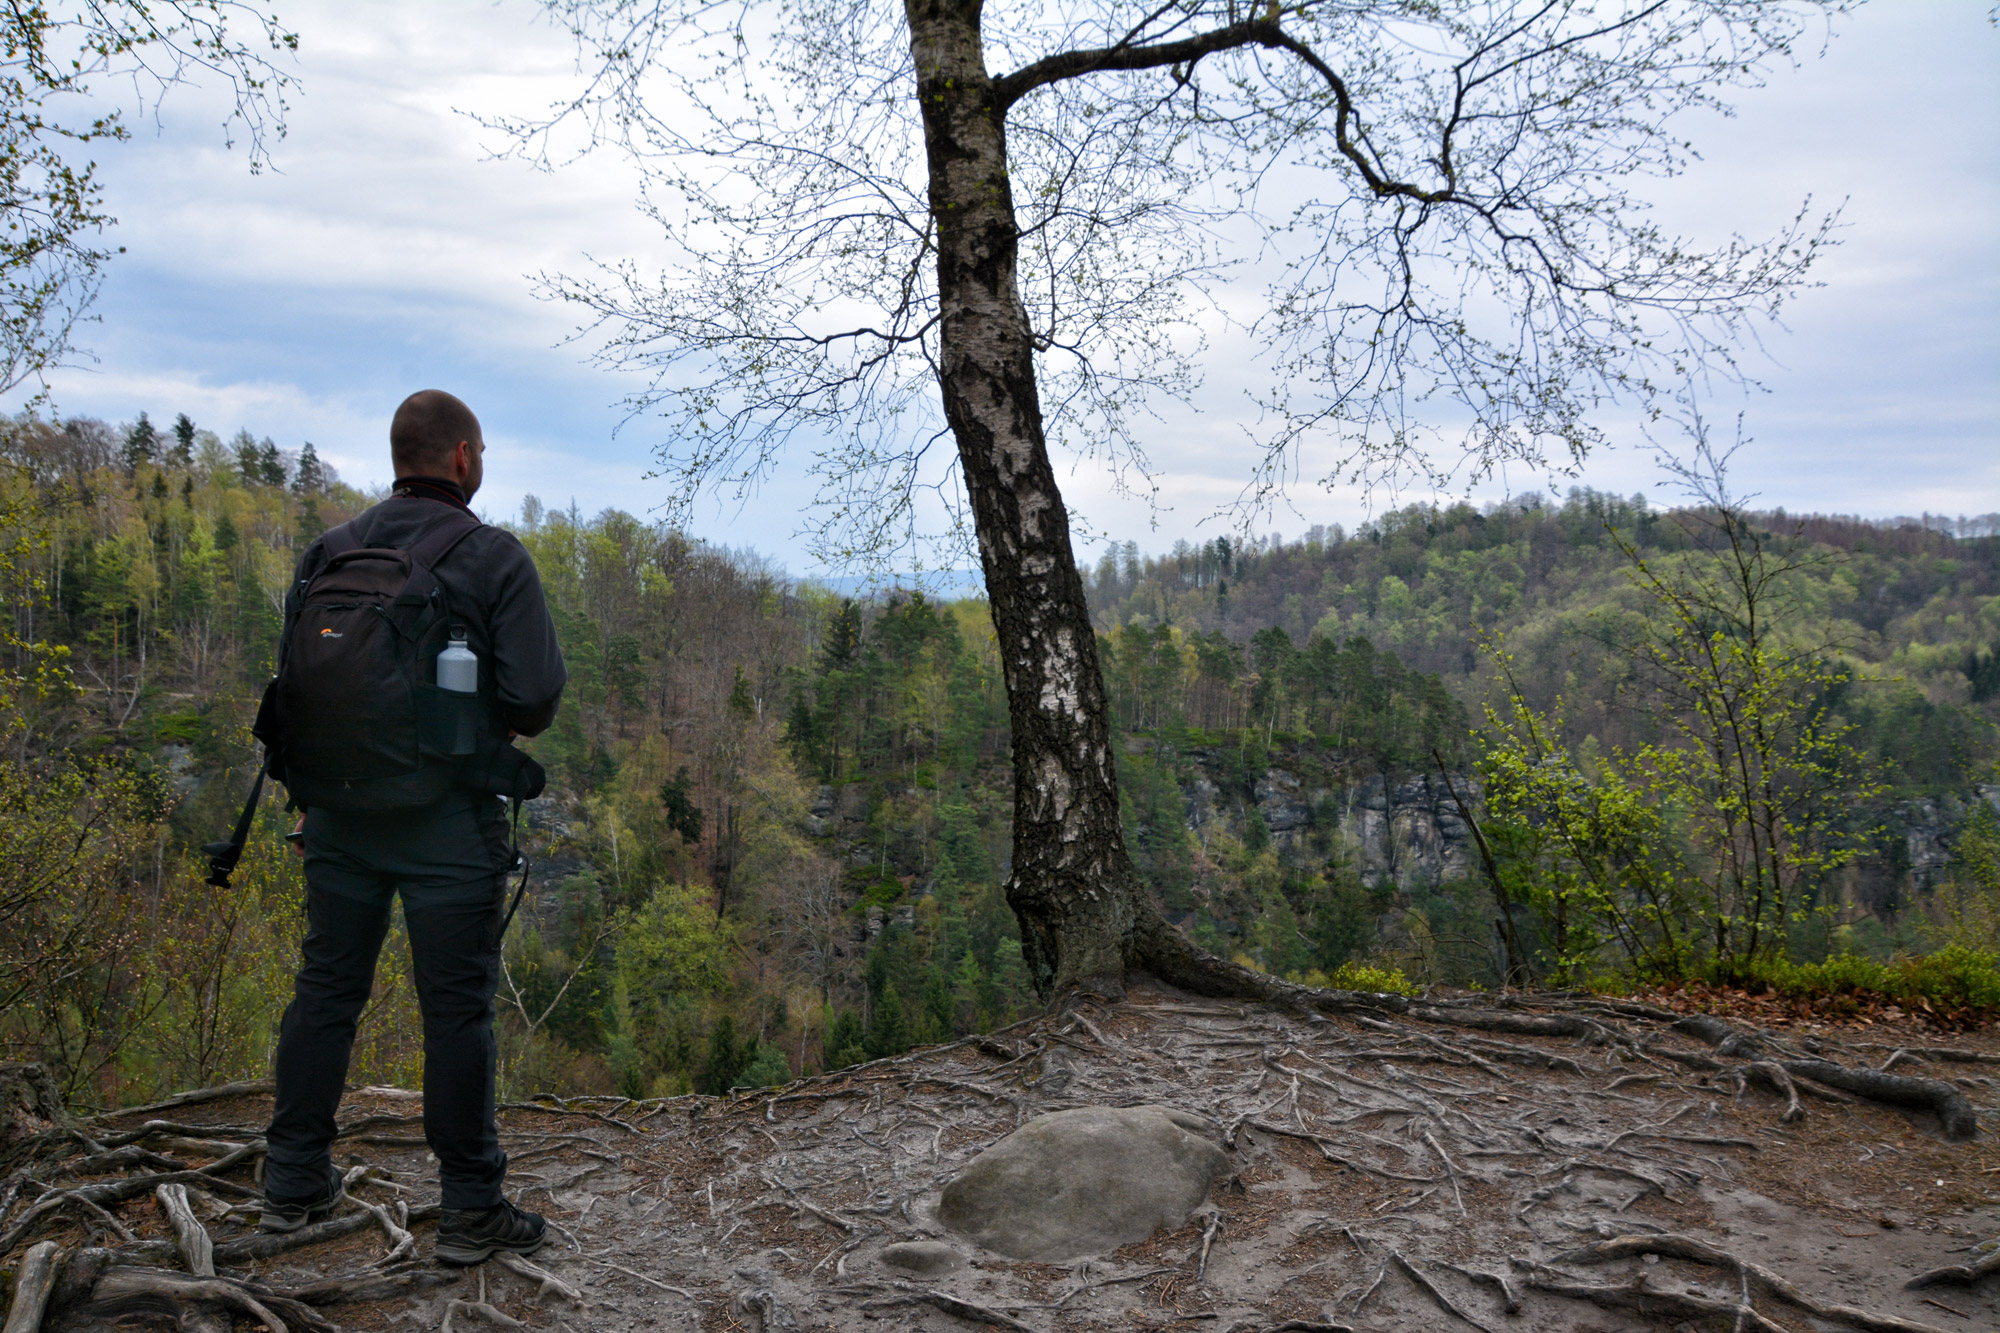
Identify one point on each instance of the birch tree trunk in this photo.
(1073, 886)
(1085, 917)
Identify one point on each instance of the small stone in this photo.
(928, 1257)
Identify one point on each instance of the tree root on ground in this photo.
(1638, 1298)
(1963, 1275)
(1950, 1106)
(1695, 1251)
(32, 1286)
(852, 1155)
(904, 1296)
(123, 1292)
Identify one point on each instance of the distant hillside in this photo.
(1912, 610)
(777, 828)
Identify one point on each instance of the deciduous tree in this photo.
(895, 225)
(57, 63)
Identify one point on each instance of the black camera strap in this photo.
(223, 856)
(520, 861)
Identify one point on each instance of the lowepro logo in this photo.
(331, 634)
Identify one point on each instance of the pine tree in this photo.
(844, 1041)
(889, 1026)
(142, 445)
(742, 702)
(727, 1057)
(182, 453)
(939, 1009)
(311, 476)
(270, 467)
(246, 458)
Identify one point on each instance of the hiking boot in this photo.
(279, 1216)
(474, 1235)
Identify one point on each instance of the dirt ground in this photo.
(1390, 1174)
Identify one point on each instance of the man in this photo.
(447, 856)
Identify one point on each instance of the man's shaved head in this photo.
(426, 432)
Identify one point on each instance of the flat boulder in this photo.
(1085, 1181)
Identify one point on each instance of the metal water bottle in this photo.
(458, 673)
(458, 666)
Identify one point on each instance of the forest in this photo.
(777, 829)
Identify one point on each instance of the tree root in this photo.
(1430, 1289)
(32, 1285)
(765, 1307)
(401, 1242)
(1641, 1299)
(266, 1244)
(950, 1304)
(191, 1238)
(1963, 1275)
(122, 1292)
(1777, 1287)
(117, 1191)
(1954, 1112)
(195, 1097)
(550, 1284)
(1773, 1076)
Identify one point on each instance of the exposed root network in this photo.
(1548, 1162)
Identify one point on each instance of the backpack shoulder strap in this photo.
(339, 540)
(435, 544)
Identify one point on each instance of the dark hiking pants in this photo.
(353, 865)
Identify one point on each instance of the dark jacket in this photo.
(491, 587)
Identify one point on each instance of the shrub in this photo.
(1954, 980)
(767, 1070)
(1358, 976)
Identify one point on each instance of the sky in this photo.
(391, 250)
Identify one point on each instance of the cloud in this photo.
(389, 252)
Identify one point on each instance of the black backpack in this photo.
(355, 721)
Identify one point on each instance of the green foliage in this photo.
(1364, 703)
(1358, 976)
(767, 1069)
(1957, 981)
(844, 1040)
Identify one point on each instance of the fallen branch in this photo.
(682, 1292)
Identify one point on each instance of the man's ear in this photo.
(461, 460)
